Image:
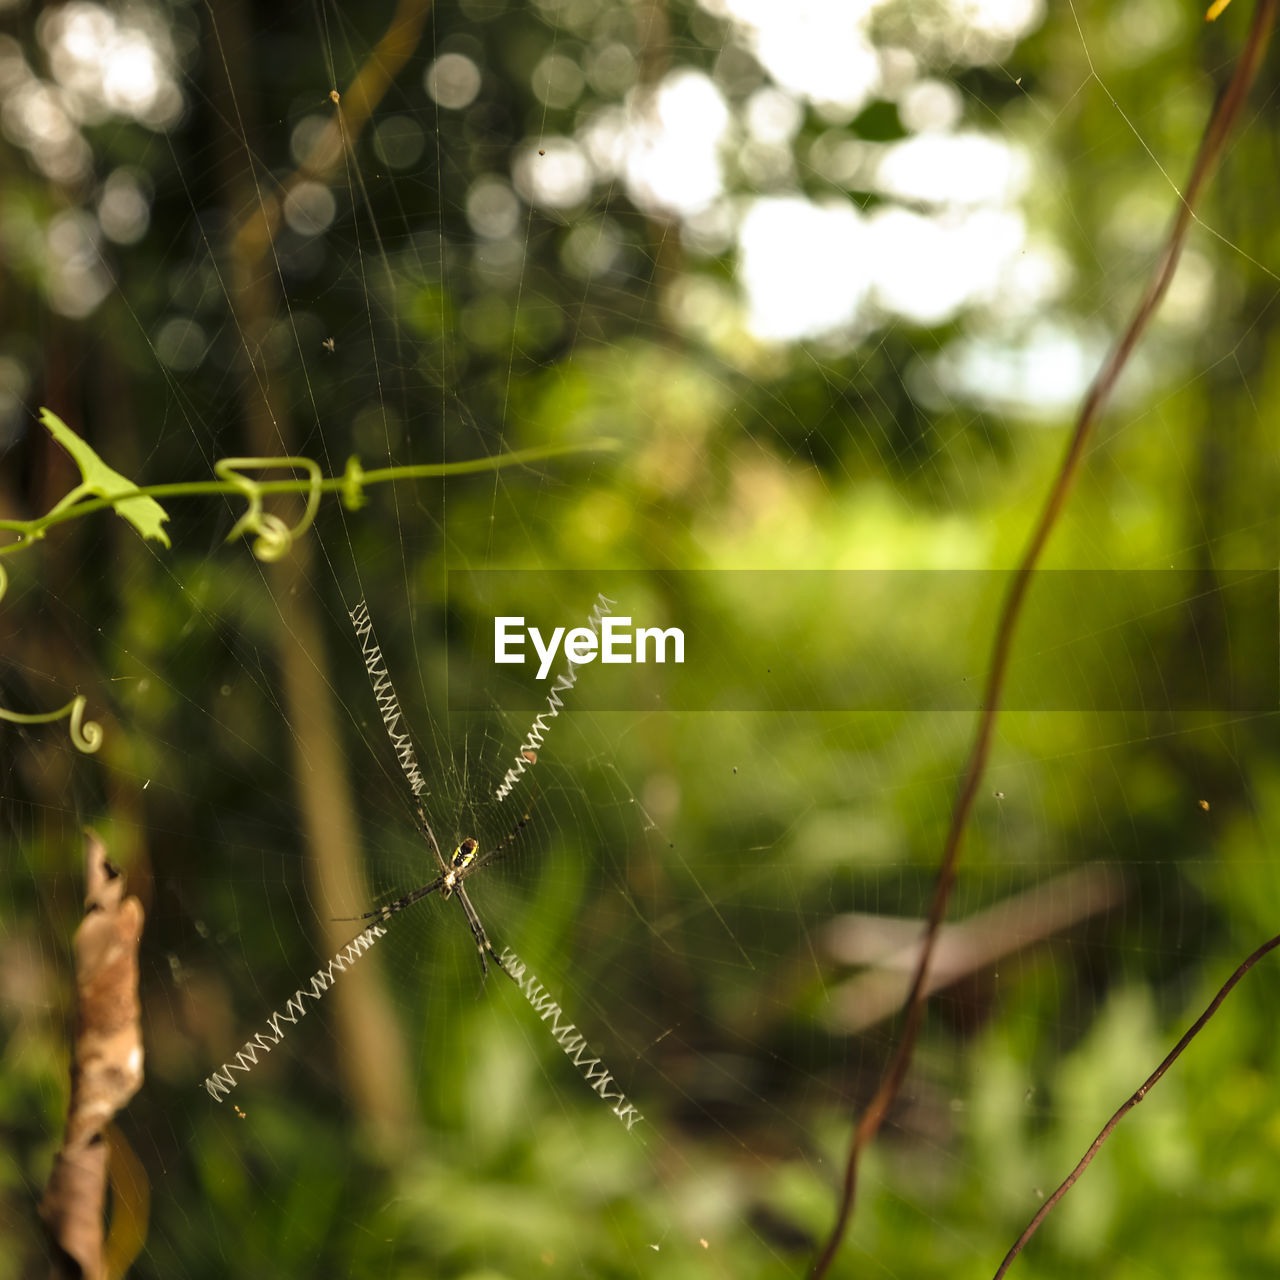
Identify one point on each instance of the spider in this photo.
(460, 866)
(466, 859)
(455, 870)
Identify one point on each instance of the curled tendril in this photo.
(273, 537)
(4, 582)
(86, 735)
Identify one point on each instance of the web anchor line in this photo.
(385, 696)
(221, 1082)
(569, 1038)
(528, 752)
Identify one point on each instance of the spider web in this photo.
(833, 286)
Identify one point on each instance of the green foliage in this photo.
(97, 479)
(575, 393)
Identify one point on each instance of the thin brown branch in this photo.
(352, 111)
(106, 1068)
(1210, 151)
(1132, 1101)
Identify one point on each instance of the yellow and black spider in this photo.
(465, 860)
(461, 865)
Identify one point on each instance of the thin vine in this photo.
(1212, 144)
(1132, 1101)
(86, 735)
(102, 487)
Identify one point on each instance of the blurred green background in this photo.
(833, 277)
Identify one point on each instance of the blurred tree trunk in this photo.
(373, 1058)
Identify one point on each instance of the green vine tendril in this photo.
(273, 537)
(86, 735)
(102, 487)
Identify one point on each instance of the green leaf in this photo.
(145, 514)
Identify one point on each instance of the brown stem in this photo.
(1211, 147)
(259, 228)
(1132, 1101)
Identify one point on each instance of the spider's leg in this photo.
(425, 827)
(483, 944)
(382, 913)
(389, 909)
